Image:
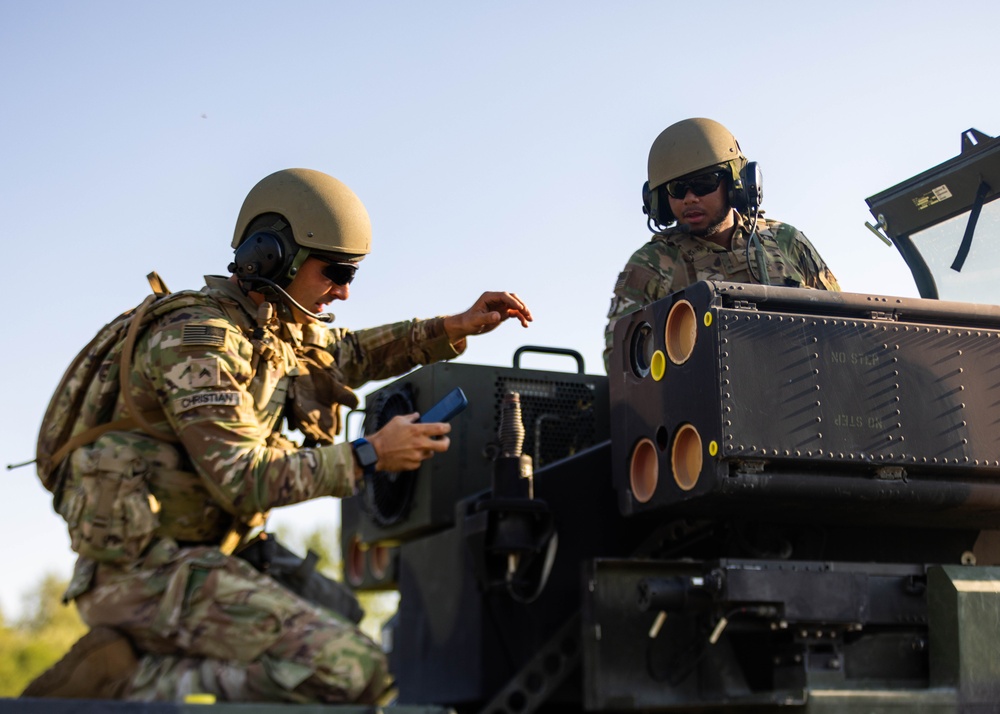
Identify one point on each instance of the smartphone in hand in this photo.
(451, 404)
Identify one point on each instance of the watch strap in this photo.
(365, 455)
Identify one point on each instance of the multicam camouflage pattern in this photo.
(219, 383)
(316, 395)
(88, 391)
(673, 260)
(107, 504)
(223, 382)
(212, 624)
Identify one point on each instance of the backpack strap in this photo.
(142, 420)
(135, 417)
(138, 417)
(91, 435)
(156, 284)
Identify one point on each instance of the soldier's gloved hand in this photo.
(402, 444)
(486, 313)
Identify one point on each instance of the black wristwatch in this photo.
(364, 454)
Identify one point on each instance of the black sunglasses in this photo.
(700, 185)
(339, 273)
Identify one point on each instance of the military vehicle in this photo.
(776, 499)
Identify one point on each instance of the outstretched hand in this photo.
(486, 313)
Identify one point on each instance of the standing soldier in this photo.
(177, 451)
(701, 201)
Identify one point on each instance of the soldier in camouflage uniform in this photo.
(200, 457)
(697, 203)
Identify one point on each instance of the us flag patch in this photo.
(204, 335)
(622, 279)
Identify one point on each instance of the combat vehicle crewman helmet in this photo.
(691, 145)
(325, 215)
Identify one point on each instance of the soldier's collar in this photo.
(742, 232)
(670, 233)
(232, 291)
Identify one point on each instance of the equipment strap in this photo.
(91, 435)
(101, 525)
(126, 370)
(136, 418)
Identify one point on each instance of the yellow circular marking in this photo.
(713, 448)
(658, 365)
(708, 319)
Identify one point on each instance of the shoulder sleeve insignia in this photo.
(196, 373)
(203, 335)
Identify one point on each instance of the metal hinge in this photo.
(882, 315)
(744, 305)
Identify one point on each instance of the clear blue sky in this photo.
(497, 145)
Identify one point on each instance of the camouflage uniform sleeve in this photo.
(804, 257)
(196, 366)
(653, 272)
(390, 350)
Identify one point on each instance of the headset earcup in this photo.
(738, 194)
(753, 185)
(746, 194)
(263, 254)
(664, 216)
(654, 205)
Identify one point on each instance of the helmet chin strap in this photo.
(286, 298)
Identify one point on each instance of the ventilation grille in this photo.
(388, 495)
(558, 417)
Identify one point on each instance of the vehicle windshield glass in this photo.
(979, 280)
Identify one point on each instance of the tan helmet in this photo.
(324, 214)
(690, 145)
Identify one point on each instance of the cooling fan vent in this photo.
(388, 495)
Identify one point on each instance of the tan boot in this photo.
(99, 666)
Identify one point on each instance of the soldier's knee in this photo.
(364, 673)
(344, 669)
